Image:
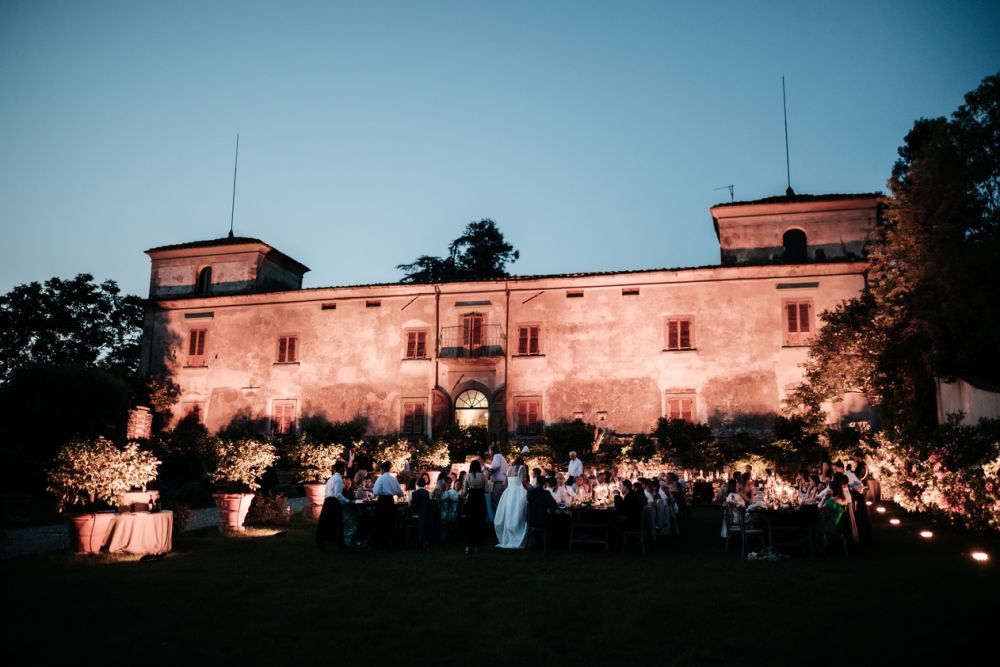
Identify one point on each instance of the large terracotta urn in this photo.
(89, 531)
(433, 475)
(233, 508)
(315, 494)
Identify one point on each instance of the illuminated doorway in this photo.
(472, 409)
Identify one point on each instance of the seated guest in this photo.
(540, 505)
(630, 505)
(361, 485)
(560, 492)
(813, 489)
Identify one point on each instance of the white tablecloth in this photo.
(141, 533)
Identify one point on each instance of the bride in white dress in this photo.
(511, 517)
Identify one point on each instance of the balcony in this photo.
(461, 342)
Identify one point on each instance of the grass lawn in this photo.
(277, 600)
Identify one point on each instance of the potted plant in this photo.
(236, 466)
(431, 457)
(95, 474)
(314, 462)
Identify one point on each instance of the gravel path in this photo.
(55, 537)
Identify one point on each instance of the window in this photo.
(794, 241)
(413, 418)
(574, 294)
(193, 411)
(373, 304)
(528, 417)
(204, 284)
(680, 332)
(196, 347)
(416, 344)
(527, 339)
(288, 349)
(472, 330)
(798, 322)
(680, 407)
(630, 291)
(283, 417)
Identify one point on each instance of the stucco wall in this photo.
(602, 352)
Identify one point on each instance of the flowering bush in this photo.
(95, 471)
(269, 509)
(242, 461)
(314, 461)
(955, 475)
(431, 455)
(397, 452)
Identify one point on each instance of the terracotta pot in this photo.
(433, 474)
(315, 493)
(233, 508)
(88, 531)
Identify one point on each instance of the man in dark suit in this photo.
(541, 504)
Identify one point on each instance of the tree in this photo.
(929, 310)
(480, 253)
(71, 323)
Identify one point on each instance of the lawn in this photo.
(277, 600)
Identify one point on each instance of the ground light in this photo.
(868, 502)
(980, 556)
(880, 509)
(926, 534)
(894, 522)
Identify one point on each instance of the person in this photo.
(560, 492)
(541, 504)
(511, 518)
(574, 469)
(361, 459)
(857, 488)
(734, 497)
(330, 526)
(833, 500)
(498, 476)
(474, 490)
(361, 491)
(385, 489)
(419, 498)
(581, 490)
(447, 499)
(813, 489)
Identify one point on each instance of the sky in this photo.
(596, 134)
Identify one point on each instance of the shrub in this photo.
(269, 509)
(463, 441)
(564, 437)
(240, 462)
(95, 471)
(314, 461)
(430, 455)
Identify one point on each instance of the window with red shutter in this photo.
(414, 418)
(527, 340)
(527, 417)
(196, 347)
(416, 345)
(679, 334)
(681, 407)
(288, 352)
(283, 417)
(472, 330)
(798, 322)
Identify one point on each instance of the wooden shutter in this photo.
(685, 334)
(673, 338)
(522, 340)
(793, 320)
(533, 340)
(411, 345)
(421, 350)
(685, 409)
(804, 317)
(282, 350)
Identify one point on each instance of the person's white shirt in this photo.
(575, 468)
(562, 495)
(498, 468)
(386, 485)
(335, 488)
(853, 481)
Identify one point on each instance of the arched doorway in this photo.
(472, 408)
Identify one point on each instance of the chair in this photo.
(736, 522)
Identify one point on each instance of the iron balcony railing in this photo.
(486, 340)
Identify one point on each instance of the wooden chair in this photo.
(736, 522)
(542, 531)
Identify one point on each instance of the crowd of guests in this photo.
(839, 492)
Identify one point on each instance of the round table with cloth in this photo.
(141, 533)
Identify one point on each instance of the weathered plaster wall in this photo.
(603, 352)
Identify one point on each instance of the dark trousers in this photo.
(385, 521)
(330, 527)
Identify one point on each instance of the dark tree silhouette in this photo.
(480, 253)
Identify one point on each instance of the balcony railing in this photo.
(460, 342)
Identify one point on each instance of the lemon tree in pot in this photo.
(236, 466)
(314, 462)
(95, 474)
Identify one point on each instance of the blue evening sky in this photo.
(594, 133)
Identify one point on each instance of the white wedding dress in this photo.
(511, 517)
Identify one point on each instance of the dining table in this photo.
(141, 533)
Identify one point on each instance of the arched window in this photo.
(204, 285)
(794, 241)
(472, 409)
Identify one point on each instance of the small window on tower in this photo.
(204, 285)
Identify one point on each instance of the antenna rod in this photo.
(784, 104)
(232, 210)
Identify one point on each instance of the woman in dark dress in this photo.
(475, 507)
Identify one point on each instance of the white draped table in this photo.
(141, 533)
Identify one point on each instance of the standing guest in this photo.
(447, 500)
(331, 518)
(385, 489)
(419, 498)
(825, 469)
(361, 459)
(474, 491)
(498, 475)
(857, 490)
(574, 469)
